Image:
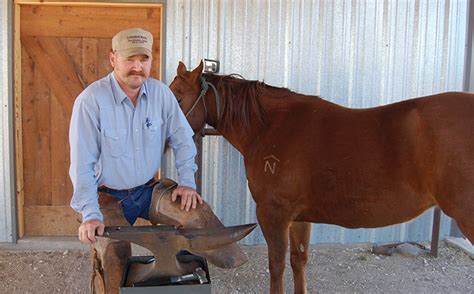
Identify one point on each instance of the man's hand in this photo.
(189, 197)
(87, 230)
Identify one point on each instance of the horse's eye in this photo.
(179, 100)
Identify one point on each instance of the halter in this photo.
(204, 87)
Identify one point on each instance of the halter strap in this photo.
(204, 88)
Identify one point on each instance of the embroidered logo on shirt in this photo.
(148, 123)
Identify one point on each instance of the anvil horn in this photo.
(191, 239)
(207, 239)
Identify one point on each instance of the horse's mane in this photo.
(241, 99)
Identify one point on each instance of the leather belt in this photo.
(108, 190)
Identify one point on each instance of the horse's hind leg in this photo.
(275, 228)
(467, 229)
(299, 246)
(464, 221)
(460, 209)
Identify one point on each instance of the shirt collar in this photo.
(119, 94)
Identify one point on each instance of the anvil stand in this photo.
(166, 266)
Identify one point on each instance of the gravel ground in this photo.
(331, 269)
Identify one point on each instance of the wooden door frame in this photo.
(17, 87)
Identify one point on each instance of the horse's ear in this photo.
(198, 70)
(200, 66)
(181, 69)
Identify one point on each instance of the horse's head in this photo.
(187, 88)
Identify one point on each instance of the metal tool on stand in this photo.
(199, 276)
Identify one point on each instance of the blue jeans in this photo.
(135, 202)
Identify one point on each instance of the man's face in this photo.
(131, 71)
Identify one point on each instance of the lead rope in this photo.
(204, 88)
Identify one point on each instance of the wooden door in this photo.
(64, 48)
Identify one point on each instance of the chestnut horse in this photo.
(311, 161)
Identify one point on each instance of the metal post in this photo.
(198, 142)
(435, 231)
(211, 132)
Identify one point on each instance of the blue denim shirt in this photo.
(119, 145)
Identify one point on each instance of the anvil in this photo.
(165, 241)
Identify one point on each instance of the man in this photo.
(118, 128)
(117, 134)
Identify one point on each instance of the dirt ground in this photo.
(331, 269)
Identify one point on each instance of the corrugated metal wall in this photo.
(469, 64)
(354, 53)
(7, 197)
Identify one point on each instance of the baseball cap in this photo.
(133, 41)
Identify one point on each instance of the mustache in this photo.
(136, 73)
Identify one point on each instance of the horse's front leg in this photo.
(299, 247)
(275, 227)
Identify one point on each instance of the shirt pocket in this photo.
(152, 132)
(115, 142)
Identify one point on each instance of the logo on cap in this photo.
(137, 39)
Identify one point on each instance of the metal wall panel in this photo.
(469, 65)
(7, 197)
(354, 53)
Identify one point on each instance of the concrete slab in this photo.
(52, 244)
(461, 243)
(45, 244)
